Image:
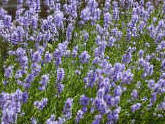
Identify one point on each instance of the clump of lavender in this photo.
(90, 13)
(52, 120)
(127, 77)
(67, 109)
(75, 51)
(85, 35)
(134, 94)
(135, 107)
(11, 105)
(36, 69)
(60, 87)
(41, 104)
(84, 101)
(90, 79)
(79, 116)
(60, 74)
(84, 57)
(36, 57)
(107, 80)
(48, 57)
(127, 58)
(97, 119)
(43, 82)
(8, 72)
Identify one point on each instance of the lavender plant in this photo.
(82, 63)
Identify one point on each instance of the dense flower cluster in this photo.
(11, 105)
(85, 62)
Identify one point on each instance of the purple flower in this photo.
(41, 104)
(44, 81)
(92, 109)
(163, 64)
(116, 113)
(33, 121)
(48, 57)
(60, 74)
(34, 23)
(20, 52)
(107, 19)
(96, 15)
(86, 36)
(148, 69)
(36, 68)
(118, 91)
(117, 100)
(84, 109)
(7, 21)
(100, 93)
(107, 5)
(84, 101)
(99, 29)
(60, 88)
(69, 31)
(90, 79)
(85, 14)
(115, 14)
(100, 50)
(25, 97)
(141, 26)
(77, 72)
(135, 107)
(153, 97)
(118, 67)
(8, 72)
(50, 120)
(141, 53)
(58, 61)
(23, 60)
(111, 41)
(19, 82)
(127, 58)
(84, 57)
(161, 106)
(97, 119)
(110, 116)
(134, 94)
(110, 100)
(36, 57)
(80, 115)
(97, 103)
(75, 51)
(161, 46)
(5, 82)
(127, 77)
(67, 110)
(19, 1)
(29, 78)
(11, 106)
